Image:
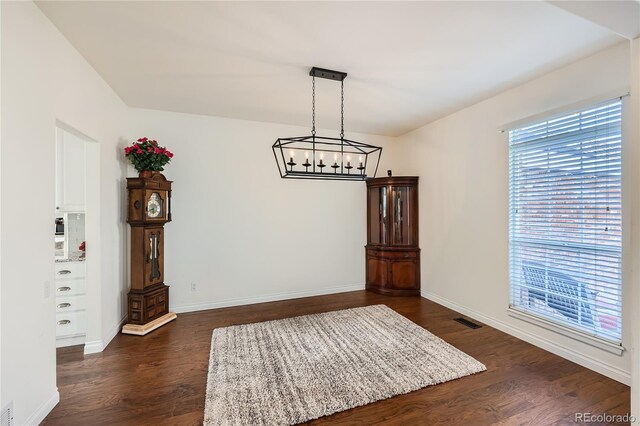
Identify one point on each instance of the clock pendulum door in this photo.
(154, 256)
(149, 210)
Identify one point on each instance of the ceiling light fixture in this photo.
(346, 159)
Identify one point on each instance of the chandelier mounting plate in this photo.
(328, 74)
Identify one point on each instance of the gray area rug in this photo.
(297, 369)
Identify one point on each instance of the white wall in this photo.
(43, 80)
(633, 132)
(240, 232)
(2, 407)
(462, 163)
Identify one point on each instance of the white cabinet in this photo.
(70, 172)
(71, 315)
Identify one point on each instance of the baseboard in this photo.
(62, 342)
(603, 368)
(96, 346)
(38, 416)
(262, 299)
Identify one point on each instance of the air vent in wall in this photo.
(468, 323)
(6, 417)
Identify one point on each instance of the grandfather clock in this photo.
(149, 210)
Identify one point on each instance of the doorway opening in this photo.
(76, 238)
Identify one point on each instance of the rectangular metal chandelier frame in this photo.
(341, 167)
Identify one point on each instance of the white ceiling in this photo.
(409, 63)
(620, 16)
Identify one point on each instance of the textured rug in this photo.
(297, 369)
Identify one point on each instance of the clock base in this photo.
(148, 304)
(141, 330)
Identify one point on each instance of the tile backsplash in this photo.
(74, 232)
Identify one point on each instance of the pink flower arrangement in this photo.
(145, 154)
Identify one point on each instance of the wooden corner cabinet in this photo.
(392, 251)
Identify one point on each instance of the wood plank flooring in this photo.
(160, 378)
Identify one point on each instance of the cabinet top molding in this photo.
(157, 181)
(393, 180)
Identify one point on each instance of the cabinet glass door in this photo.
(401, 199)
(378, 215)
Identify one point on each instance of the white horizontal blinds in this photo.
(565, 224)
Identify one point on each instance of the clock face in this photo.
(154, 206)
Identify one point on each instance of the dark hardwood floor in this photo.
(160, 378)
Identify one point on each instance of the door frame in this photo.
(93, 338)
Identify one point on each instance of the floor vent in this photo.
(468, 323)
(6, 417)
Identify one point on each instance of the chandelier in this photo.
(321, 157)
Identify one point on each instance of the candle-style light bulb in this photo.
(306, 163)
(360, 167)
(335, 166)
(348, 160)
(321, 164)
(291, 163)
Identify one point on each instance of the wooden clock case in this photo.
(148, 298)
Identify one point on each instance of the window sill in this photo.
(596, 342)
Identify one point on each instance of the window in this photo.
(565, 223)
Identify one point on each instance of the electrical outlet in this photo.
(46, 289)
(193, 287)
